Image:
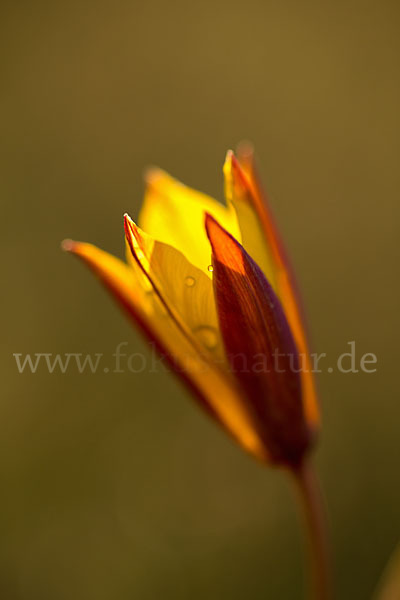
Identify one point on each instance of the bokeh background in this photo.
(115, 486)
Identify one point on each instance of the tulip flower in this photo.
(210, 285)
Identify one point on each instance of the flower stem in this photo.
(315, 525)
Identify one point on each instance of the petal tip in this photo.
(237, 184)
(225, 249)
(229, 158)
(134, 237)
(211, 225)
(69, 245)
(229, 155)
(130, 227)
(127, 220)
(152, 174)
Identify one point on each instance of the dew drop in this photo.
(190, 281)
(210, 268)
(207, 335)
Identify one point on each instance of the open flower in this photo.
(211, 287)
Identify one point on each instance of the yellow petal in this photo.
(174, 214)
(215, 391)
(186, 291)
(238, 195)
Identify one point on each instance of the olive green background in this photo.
(115, 485)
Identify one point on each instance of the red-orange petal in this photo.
(260, 347)
(286, 281)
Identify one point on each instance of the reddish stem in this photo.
(312, 504)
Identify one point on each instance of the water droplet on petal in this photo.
(207, 335)
(190, 281)
(210, 268)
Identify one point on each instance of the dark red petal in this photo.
(259, 346)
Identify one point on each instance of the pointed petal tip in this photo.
(216, 232)
(229, 159)
(151, 172)
(129, 223)
(134, 237)
(236, 183)
(127, 220)
(211, 226)
(217, 236)
(232, 159)
(228, 156)
(69, 245)
(131, 229)
(225, 249)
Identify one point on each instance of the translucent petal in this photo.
(215, 391)
(238, 195)
(174, 214)
(186, 290)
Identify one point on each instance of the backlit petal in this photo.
(186, 291)
(216, 393)
(174, 214)
(238, 193)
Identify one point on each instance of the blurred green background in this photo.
(115, 486)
